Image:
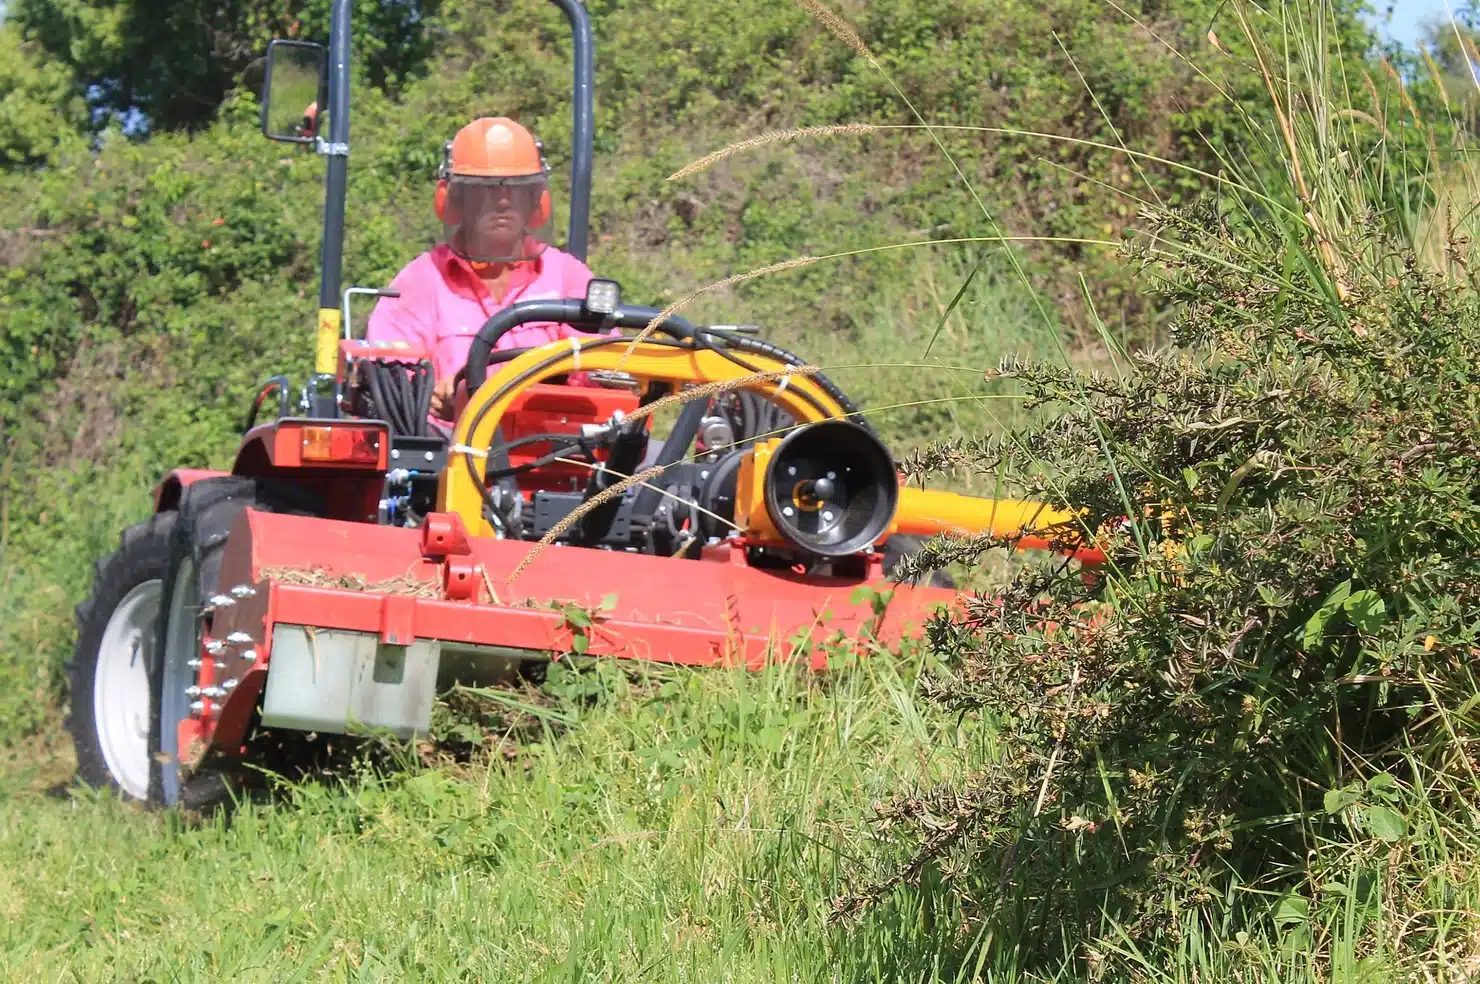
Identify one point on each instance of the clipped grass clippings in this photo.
(406, 584)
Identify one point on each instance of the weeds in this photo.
(1253, 702)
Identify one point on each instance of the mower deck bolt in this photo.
(219, 601)
(239, 639)
(788, 511)
(214, 692)
(250, 654)
(199, 706)
(395, 455)
(430, 456)
(192, 691)
(229, 685)
(194, 664)
(827, 517)
(791, 469)
(214, 646)
(243, 591)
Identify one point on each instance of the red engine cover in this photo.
(547, 409)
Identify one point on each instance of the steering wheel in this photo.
(507, 355)
(569, 311)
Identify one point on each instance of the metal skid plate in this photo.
(337, 682)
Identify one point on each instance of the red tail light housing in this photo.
(340, 445)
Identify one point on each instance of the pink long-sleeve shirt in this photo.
(444, 302)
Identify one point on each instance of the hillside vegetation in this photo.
(150, 285)
(1215, 281)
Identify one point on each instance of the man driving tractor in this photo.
(493, 198)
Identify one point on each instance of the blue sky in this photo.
(1408, 17)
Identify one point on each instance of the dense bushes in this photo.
(1299, 587)
(1267, 691)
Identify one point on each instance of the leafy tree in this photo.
(39, 108)
(1455, 62)
(176, 61)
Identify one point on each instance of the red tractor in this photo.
(352, 563)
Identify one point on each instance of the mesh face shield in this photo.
(497, 220)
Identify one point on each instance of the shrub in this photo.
(1276, 653)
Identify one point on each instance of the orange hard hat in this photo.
(495, 147)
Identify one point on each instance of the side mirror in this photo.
(295, 91)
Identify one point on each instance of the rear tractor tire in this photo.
(110, 677)
(208, 510)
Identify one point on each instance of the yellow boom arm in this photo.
(919, 512)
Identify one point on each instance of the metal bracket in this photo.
(312, 405)
(323, 146)
(356, 292)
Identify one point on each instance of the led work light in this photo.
(603, 296)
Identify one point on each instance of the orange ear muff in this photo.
(439, 200)
(541, 214)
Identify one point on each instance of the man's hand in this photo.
(442, 398)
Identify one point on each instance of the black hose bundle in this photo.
(400, 395)
(756, 417)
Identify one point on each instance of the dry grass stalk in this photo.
(1371, 88)
(705, 390)
(1438, 76)
(1470, 50)
(1287, 130)
(574, 516)
(678, 305)
(1402, 91)
(765, 139)
(406, 584)
(839, 28)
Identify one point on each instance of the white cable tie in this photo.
(468, 450)
(785, 379)
(575, 351)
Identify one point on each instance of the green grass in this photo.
(690, 828)
(685, 826)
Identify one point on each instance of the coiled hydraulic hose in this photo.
(401, 395)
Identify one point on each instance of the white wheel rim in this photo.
(121, 705)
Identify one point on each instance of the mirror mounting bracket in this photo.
(328, 149)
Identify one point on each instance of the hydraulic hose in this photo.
(377, 396)
(757, 347)
(279, 383)
(570, 311)
(402, 398)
